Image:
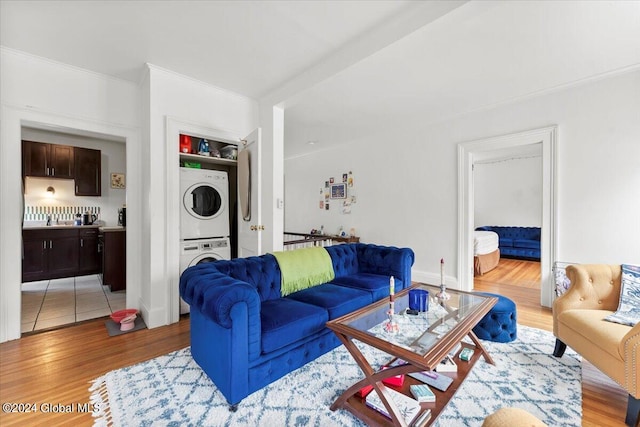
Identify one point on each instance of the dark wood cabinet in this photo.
(59, 252)
(87, 172)
(62, 161)
(47, 160)
(83, 165)
(35, 258)
(90, 260)
(64, 254)
(114, 259)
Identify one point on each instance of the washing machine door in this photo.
(203, 201)
(206, 257)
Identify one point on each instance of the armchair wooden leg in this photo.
(560, 348)
(633, 410)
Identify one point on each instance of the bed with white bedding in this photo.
(486, 254)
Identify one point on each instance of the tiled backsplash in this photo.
(62, 213)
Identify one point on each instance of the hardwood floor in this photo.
(56, 367)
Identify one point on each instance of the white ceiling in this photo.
(344, 68)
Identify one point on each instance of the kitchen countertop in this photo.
(54, 226)
(113, 228)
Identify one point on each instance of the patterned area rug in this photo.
(173, 390)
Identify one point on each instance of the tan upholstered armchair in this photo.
(578, 322)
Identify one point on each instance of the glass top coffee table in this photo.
(415, 343)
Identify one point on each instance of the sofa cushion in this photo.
(505, 242)
(628, 312)
(591, 326)
(337, 300)
(525, 243)
(376, 284)
(261, 272)
(344, 259)
(285, 321)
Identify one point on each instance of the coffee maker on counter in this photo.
(122, 216)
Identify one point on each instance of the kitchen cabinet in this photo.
(90, 259)
(114, 259)
(50, 254)
(87, 171)
(47, 160)
(53, 253)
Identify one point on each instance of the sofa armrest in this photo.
(630, 351)
(214, 294)
(386, 260)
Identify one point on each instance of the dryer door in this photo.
(203, 201)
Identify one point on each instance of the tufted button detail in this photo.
(590, 280)
(599, 301)
(581, 298)
(611, 282)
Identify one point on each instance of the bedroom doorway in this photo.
(471, 151)
(507, 192)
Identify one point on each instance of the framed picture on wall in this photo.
(117, 180)
(339, 191)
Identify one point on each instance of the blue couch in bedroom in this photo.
(245, 334)
(517, 242)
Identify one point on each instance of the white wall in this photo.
(407, 177)
(508, 192)
(174, 96)
(36, 91)
(113, 159)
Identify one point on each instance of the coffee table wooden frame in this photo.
(415, 363)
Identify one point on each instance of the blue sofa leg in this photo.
(560, 348)
(633, 411)
(233, 408)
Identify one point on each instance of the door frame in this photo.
(548, 244)
(14, 118)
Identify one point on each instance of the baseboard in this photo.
(153, 318)
(433, 279)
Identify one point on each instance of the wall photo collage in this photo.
(338, 193)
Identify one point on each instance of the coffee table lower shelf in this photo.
(357, 406)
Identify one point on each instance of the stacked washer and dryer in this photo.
(204, 218)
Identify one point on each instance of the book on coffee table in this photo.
(422, 393)
(434, 379)
(408, 407)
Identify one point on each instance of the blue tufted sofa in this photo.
(518, 242)
(245, 335)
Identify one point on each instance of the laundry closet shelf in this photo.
(207, 159)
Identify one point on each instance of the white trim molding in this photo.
(548, 244)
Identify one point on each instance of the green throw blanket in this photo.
(304, 268)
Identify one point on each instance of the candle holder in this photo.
(443, 295)
(391, 326)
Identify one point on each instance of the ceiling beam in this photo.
(411, 19)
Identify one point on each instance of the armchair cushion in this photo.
(628, 312)
(588, 325)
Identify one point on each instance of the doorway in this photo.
(14, 118)
(63, 284)
(507, 187)
(469, 151)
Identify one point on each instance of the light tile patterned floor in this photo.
(50, 303)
